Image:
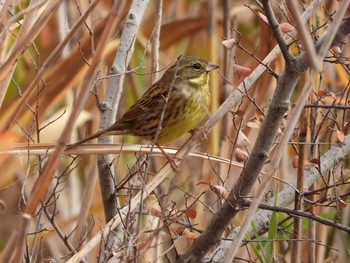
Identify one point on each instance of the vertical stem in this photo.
(312, 230)
(214, 91)
(297, 231)
(155, 41)
(112, 99)
(313, 151)
(228, 72)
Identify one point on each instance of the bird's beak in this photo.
(211, 67)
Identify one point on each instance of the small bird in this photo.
(186, 105)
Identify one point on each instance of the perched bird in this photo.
(186, 105)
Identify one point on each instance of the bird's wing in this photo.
(152, 100)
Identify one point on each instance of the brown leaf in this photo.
(263, 17)
(242, 140)
(341, 203)
(229, 43)
(154, 212)
(240, 155)
(286, 27)
(170, 32)
(341, 136)
(259, 115)
(178, 230)
(337, 51)
(314, 161)
(220, 191)
(241, 71)
(188, 234)
(321, 93)
(240, 112)
(295, 161)
(324, 93)
(252, 124)
(191, 213)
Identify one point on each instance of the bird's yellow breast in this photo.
(189, 107)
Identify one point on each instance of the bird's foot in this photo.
(200, 130)
(172, 159)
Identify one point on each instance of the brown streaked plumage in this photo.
(187, 105)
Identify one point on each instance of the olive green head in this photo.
(193, 69)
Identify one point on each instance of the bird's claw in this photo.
(199, 130)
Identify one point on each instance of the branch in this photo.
(42, 183)
(17, 110)
(111, 103)
(312, 58)
(298, 213)
(223, 217)
(29, 30)
(288, 56)
(261, 220)
(231, 101)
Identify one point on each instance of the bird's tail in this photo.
(89, 138)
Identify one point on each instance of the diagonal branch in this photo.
(288, 56)
(45, 178)
(279, 105)
(234, 99)
(261, 220)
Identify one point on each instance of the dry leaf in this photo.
(321, 93)
(263, 17)
(314, 161)
(170, 32)
(220, 191)
(341, 136)
(295, 161)
(252, 124)
(341, 203)
(259, 115)
(178, 230)
(191, 213)
(229, 43)
(242, 140)
(240, 112)
(154, 212)
(337, 51)
(187, 233)
(241, 71)
(240, 155)
(286, 27)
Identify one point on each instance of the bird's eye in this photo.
(196, 66)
